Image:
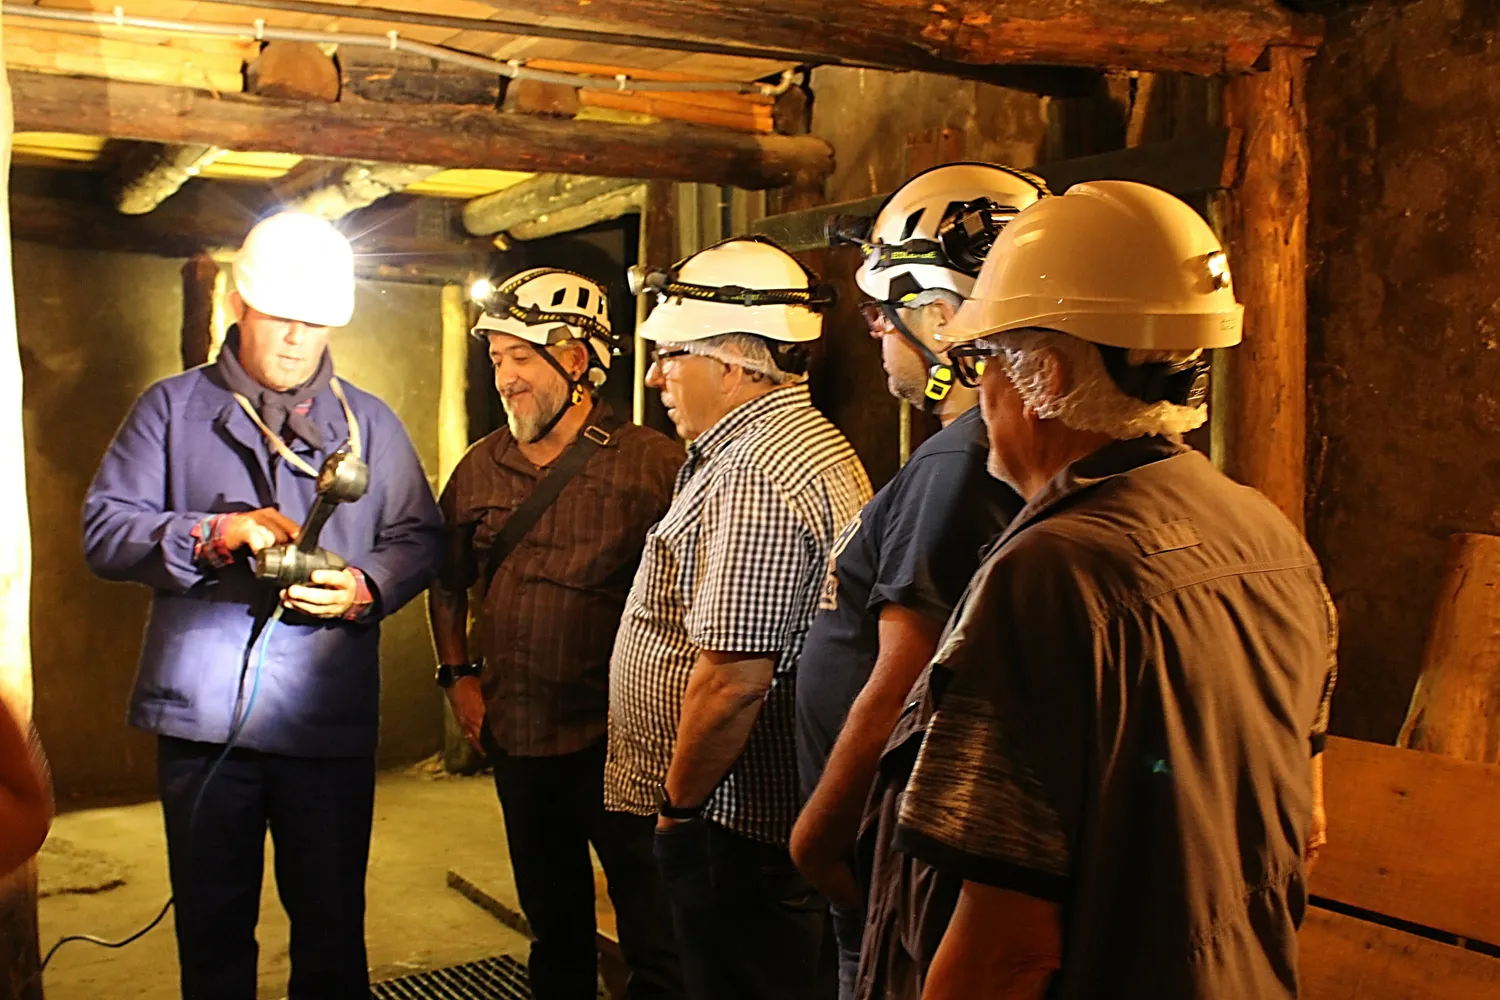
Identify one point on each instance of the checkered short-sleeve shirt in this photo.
(735, 566)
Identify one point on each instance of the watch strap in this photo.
(449, 673)
(665, 807)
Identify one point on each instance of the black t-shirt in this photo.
(915, 544)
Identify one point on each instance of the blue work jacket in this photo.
(188, 450)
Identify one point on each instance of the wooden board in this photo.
(1343, 958)
(1412, 835)
(68, 52)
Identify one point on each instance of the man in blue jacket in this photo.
(264, 724)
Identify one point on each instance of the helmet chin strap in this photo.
(939, 372)
(577, 390)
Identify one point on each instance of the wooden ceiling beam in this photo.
(412, 133)
(215, 217)
(955, 36)
(341, 188)
(533, 199)
(152, 172)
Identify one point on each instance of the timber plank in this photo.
(1344, 958)
(413, 133)
(1185, 166)
(1165, 35)
(1412, 836)
(49, 51)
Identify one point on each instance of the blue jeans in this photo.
(749, 927)
(318, 811)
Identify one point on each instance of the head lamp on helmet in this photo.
(746, 284)
(547, 306)
(669, 284)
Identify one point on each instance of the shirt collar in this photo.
(1114, 459)
(733, 423)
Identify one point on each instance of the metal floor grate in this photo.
(501, 978)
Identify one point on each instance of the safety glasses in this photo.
(660, 357)
(969, 361)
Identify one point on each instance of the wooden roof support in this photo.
(1188, 166)
(152, 172)
(210, 219)
(1165, 35)
(532, 199)
(605, 208)
(340, 188)
(438, 135)
(1259, 406)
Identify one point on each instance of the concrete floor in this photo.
(424, 826)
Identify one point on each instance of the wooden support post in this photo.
(20, 962)
(199, 276)
(453, 440)
(152, 172)
(1259, 401)
(1455, 709)
(532, 199)
(658, 247)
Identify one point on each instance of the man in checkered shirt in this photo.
(701, 680)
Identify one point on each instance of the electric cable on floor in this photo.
(236, 727)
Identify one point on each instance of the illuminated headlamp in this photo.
(503, 304)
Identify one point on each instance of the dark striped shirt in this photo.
(548, 620)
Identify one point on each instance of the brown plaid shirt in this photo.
(547, 623)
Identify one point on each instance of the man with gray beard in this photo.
(551, 567)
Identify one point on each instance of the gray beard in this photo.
(524, 428)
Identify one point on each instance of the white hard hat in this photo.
(1112, 262)
(547, 305)
(297, 266)
(741, 285)
(934, 230)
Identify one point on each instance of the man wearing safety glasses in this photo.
(701, 682)
(899, 568)
(1123, 720)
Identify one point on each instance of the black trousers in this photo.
(318, 811)
(749, 926)
(554, 808)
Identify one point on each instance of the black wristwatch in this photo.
(448, 673)
(665, 807)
